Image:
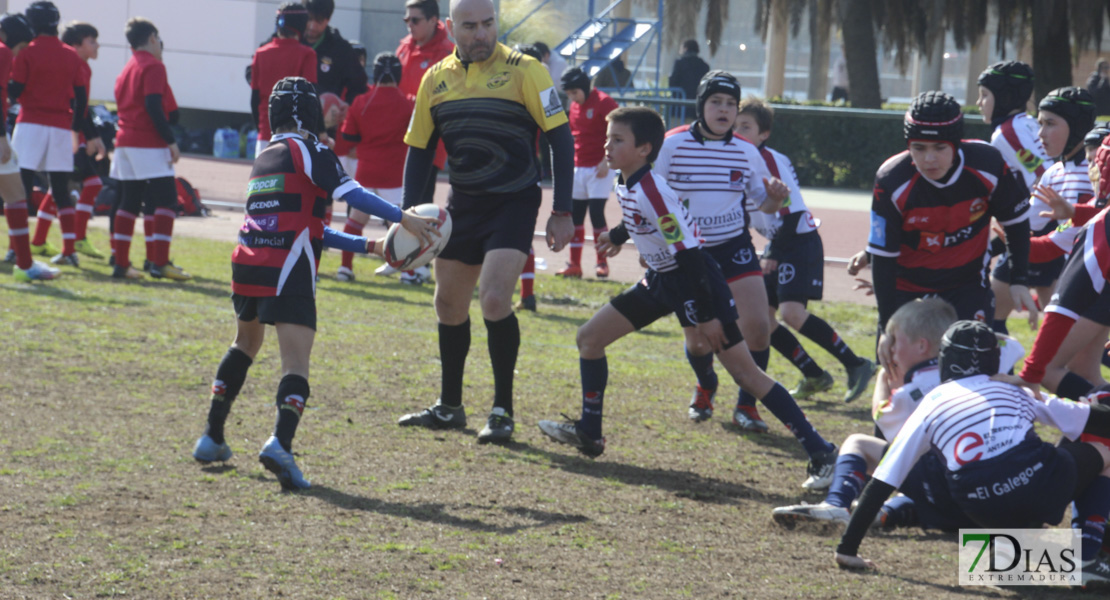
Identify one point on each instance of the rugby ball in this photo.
(333, 109)
(403, 250)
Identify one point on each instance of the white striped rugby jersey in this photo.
(1070, 180)
(656, 221)
(1016, 138)
(973, 419)
(714, 179)
(778, 165)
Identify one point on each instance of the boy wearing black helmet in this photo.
(274, 268)
(1065, 117)
(1004, 91)
(995, 467)
(283, 56)
(47, 81)
(592, 179)
(931, 213)
(16, 33)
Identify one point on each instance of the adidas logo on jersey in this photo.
(439, 89)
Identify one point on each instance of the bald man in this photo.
(488, 104)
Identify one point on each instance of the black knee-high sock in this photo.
(504, 344)
(787, 345)
(597, 213)
(230, 376)
(292, 395)
(454, 345)
(999, 326)
(1073, 386)
(816, 329)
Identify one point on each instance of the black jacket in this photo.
(687, 73)
(337, 67)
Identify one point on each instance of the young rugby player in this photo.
(274, 268)
(15, 35)
(48, 82)
(283, 56)
(930, 218)
(681, 279)
(380, 144)
(1065, 117)
(794, 268)
(592, 180)
(1016, 480)
(146, 151)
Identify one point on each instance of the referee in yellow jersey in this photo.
(488, 104)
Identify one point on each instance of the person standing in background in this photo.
(337, 66)
(1099, 86)
(688, 69)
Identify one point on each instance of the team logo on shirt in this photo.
(325, 63)
(931, 242)
(424, 65)
(978, 209)
(498, 80)
(668, 226)
(968, 448)
(589, 113)
(1029, 160)
(736, 179)
(439, 89)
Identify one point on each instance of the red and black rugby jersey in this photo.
(939, 231)
(283, 231)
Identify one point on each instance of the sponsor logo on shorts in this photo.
(267, 184)
(691, 311)
(498, 80)
(786, 273)
(669, 227)
(743, 257)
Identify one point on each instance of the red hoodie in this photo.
(415, 60)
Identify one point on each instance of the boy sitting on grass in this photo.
(681, 279)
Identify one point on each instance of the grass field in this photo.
(104, 388)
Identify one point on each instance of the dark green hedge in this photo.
(833, 147)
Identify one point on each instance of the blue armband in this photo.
(372, 204)
(345, 241)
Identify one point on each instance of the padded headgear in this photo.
(43, 16)
(1077, 107)
(294, 100)
(934, 117)
(575, 78)
(1011, 83)
(387, 67)
(16, 29)
(968, 348)
(1094, 137)
(716, 82)
(292, 16)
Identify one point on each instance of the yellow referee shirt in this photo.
(489, 115)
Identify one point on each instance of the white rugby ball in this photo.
(403, 250)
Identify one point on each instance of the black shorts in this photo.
(1029, 485)
(298, 310)
(801, 273)
(1040, 274)
(660, 294)
(482, 224)
(737, 257)
(927, 486)
(972, 302)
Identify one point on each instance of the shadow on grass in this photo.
(684, 484)
(440, 513)
(54, 291)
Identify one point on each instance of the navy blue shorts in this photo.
(1029, 485)
(927, 486)
(972, 302)
(737, 257)
(1040, 274)
(801, 273)
(482, 224)
(660, 294)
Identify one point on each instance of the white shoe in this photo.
(417, 276)
(345, 274)
(788, 516)
(385, 270)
